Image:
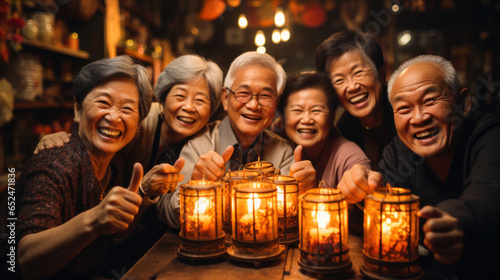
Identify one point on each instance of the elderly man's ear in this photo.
(465, 101)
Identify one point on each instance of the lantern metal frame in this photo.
(336, 259)
(200, 248)
(255, 251)
(266, 168)
(288, 222)
(399, 200)
(231, 179)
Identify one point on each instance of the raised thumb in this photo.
(228, 152)
(297, 153)
(136, 179)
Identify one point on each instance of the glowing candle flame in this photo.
(201, 205)
(253, 201)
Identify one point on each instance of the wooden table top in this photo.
(161, 262)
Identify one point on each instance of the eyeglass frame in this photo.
(251, 97)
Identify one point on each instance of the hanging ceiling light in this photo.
(279, 18)
(276, 36)
(261, 49)
(285, 34)
(242, 21)
(260, 39)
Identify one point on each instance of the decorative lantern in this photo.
(255, 223)
(231, 179)
(201, 232)
(323, 232)
(288, 207)
(266, 168)
(391, 235)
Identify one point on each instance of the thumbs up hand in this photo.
(211, 165)
(303, 171)
(162, 178)
(118, 208)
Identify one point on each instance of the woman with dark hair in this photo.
(354, 63)
(307, 108)
(69, 205)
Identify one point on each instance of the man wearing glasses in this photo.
(250, 95)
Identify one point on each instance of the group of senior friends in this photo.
(442, 151)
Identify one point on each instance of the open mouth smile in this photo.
(186, 120)
(359, 98)
(307, 131)
(251, 117)
(109, 132)
(426, 134)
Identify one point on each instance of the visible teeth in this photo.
(186, 119)
(307, 131)
(358, 98)
(252, 117)
(426, 133)
(110, 132)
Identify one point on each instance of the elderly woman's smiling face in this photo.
(109, 116)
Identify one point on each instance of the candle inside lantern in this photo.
(322, 238)
(391, 233)
(323, 227)
(254, 212)
(199, 218)
(257, 216)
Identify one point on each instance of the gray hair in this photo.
(188, 68)
(249, 59)
(100, 71)
(450, 75)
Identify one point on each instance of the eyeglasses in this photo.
(265, 98)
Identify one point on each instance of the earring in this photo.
(137, 130)
(75, 120)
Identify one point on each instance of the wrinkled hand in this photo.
(49, 141)
(211, 166)
(444, 236)
(359, 181)
(160, 180)
(118, 209)
(303, 171)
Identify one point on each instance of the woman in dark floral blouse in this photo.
(70, 208)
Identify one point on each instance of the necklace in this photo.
(107, 175)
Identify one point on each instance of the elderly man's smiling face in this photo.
(423, 111)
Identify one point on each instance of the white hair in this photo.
(450, 75)
(249, 59)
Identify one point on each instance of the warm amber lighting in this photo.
(265, 168)
(255, 222)
(261, 49)
(285, 34)
(323, 232)
(288, 207)
(391, 234)
(279, 18)
(260, 39)
(231, 179)
(201, 220)
(242, 21)
(276, 37)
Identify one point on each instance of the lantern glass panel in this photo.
(201, 210)
(391, 232)
(288, 210)
(323, 227)
(231, 179)
(254, 213)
